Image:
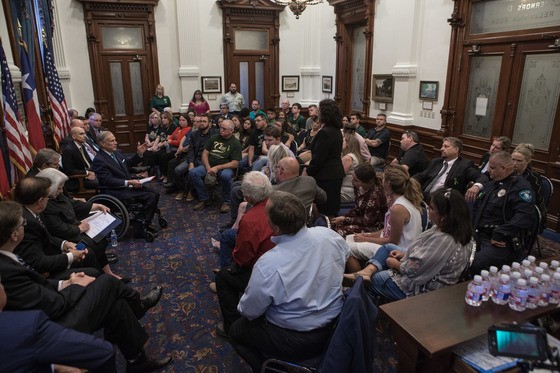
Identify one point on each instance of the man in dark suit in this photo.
(44, 158)
(31, 342)
(111, 168)
(498, 144)
(82, 303)
(77, 158)
(47, 254)
(95, 128)
(452, 171)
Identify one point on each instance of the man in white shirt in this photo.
(294, 294)
(233, 99)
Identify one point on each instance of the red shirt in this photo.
(253, 236)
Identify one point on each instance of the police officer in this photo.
(505, 212)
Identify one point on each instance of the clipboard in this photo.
(101, 225)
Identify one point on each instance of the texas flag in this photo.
(31, 101)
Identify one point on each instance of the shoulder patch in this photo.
(526, 195)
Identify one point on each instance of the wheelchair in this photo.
(127, 211)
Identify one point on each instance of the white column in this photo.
(188, 30)
(59, 58)
(310, 85)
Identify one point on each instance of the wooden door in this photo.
(251, 72)
(128, 99)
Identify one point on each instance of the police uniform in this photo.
(505, 211)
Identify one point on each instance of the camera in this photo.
(524, 342)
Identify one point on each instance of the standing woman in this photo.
(326, 165)
(159, 101)
(199, 104)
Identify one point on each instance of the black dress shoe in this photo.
(146, 364)
(151, 299)
(151, 229)
(112, 258)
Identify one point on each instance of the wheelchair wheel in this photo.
(149, 236)
(117, 208)
(162, 222)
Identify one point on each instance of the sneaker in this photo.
(225, 208)
(179, 196)
(190, 197)
(199, 206)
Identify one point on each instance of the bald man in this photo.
(289, 180)
(77, 159)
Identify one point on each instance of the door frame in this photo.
(251, 14)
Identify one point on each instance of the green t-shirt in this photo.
(222, 151)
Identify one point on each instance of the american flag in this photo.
(31, 102)
(18, 147)
(56, 97)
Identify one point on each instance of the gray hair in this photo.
(45, 156)
(56, 177)
(256, 186)
(103, 135)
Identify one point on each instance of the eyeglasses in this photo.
(23, 224)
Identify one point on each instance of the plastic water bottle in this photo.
(513, 278)
(538, 272)
(527, 274)
(555, 288)
(486, 284)
(554, 265)
(534, 293)
(518, 299)
(475, 292)
(532, 261)
(493, 276)
(506, 270)
(502, 290)
(544, 266)
(516, 267)
(114, 241)
(525, 264)
(545, 291)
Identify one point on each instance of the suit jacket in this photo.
(460, 175)
(31, 343)
(111, 174)
(63, 215)
(72, 161)
(28, 290)
(39, 249)
(326, 163)
(305, 188)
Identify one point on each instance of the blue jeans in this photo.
(380, 258)
(227, 244)
(383, 285)
(196, 178)
(260, 163)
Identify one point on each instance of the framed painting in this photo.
(290, 83)
(211, 84)
(383, 88)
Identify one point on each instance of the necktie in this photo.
(85, 157)
(434, 181)
(90, 150)
(40, 221)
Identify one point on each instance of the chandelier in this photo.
(297, 6)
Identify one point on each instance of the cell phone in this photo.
(524, 342)
(81, 246)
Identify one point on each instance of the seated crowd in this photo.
(280, 279)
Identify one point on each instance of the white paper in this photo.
(146, 179)
(98, 222)
(481, 106)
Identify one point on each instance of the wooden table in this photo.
(428, 326)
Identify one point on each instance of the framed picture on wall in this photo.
(382, 88)
(290, 83)
(428, 90)
(327, 84)
(211, 84)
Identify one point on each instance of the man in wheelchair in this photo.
(111, 168)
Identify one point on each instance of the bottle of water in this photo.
(518, 299)
(554, 265)
(486, 284)
(538, 271)
(544, 266)
(555, 288)
(534, 293)
(513, 278)
(532, 261)
(475, 292)
(493, 276)
(525, 264)
(545, 291)
(114, 241)
(527, 274)
(515, 267)
(506, 270)
(502, 290)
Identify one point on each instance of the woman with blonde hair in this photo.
(522, 156)
(351, 158)
(159, 101)
(402, 223)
